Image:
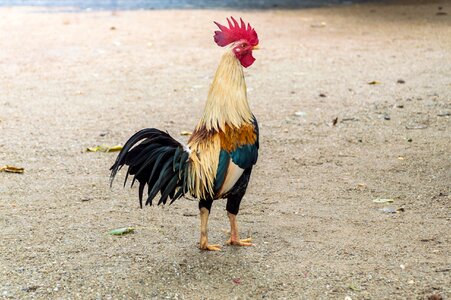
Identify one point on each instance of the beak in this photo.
(256, 47)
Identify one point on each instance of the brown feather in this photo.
(232, 138)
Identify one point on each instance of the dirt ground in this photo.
(74, 80)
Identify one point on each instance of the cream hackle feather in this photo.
(227, 97)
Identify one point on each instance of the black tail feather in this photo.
(155, 159)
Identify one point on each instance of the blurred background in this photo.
(161, 4)
(351, 196)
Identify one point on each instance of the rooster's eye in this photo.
(243, 45)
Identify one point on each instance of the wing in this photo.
(234, 160)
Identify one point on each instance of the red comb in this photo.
(234, 33)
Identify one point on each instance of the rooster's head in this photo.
(243, 39)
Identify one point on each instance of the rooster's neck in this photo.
(227, 98)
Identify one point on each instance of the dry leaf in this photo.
(374, 82)
(122, 231)
(418, 125)
(104, 148)
(379, 200)
(360, 186)
(11, 169)
(186, 133)
(318, 25)
(335, 121)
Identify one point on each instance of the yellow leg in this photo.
(204, 213)
(234, 234)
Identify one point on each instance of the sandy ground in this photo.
(70, 81)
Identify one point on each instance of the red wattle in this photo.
(247, 60)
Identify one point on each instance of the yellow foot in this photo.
(211, 247)
(244, 242)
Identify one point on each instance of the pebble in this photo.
(300, 113)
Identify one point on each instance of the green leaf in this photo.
(122, 231)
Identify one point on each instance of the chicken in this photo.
(218, 159)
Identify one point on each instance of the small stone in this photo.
(388, 210)
(435, 297)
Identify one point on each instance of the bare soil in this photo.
(69, 81)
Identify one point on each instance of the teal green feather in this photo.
(245, 156)
(223, 165)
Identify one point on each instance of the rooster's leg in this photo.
(204, 207)
(234, 234)
(233, 206)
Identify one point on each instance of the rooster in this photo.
(218, 159)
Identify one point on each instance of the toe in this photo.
(241, 243)
(245, 242)
(212, 248)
